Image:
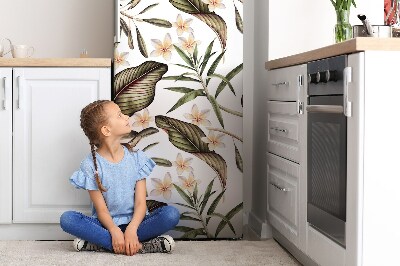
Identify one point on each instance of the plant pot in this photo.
(343, 29)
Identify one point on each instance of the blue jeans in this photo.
(90, 229)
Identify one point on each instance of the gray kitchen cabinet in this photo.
(42, 144)
(285, 124)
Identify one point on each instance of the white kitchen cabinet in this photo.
(47, 143)
(285, 124)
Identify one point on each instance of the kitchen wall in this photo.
(59, 28)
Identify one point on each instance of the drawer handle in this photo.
(280, 129)
(279, 187)
(284, 83)
(5, 93)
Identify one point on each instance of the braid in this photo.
(96, 173)
(92, 119)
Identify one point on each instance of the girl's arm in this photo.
(132, 244)
(105, 219)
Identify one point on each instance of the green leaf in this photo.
(195, 191)
(187, 137)
(179, 89)
(238, 158)
(148, 8)
(184, 205)
(207, 56)
(229, 216)
(216, 108)
(188, 67)
(137, 136)
(226, 220)
(141, 43)
(225, 80)
(150, 146)
(183, 55)
(214, 204)
(184, 196)
(200, 10)
(153, 204)
(228, 77)
(207, 195)
(158, 22)
(187, 98)
(187, 217)
(239, 21)
(181, 77)
(133, 3)
(162, 162)
(127, 30)
(193, 233)
(214, 65)
(135, 87)
(195, 53)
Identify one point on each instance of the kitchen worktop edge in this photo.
(55, 62)
(348, 47)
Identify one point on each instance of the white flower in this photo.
(162, 187)
(213, 141)
(213, 4)
(189, 183)
(189, 44)
(182, 165)
(120, 59)
(182, 26)
(142, 120)
(198, 118)
(162, 48)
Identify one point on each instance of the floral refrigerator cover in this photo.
(178, 75)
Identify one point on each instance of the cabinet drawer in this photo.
(283, 83)
(283, 130)
(283, 196)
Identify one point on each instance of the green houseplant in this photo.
(343, 29)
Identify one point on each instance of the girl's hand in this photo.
(118, 241)
(132, 244)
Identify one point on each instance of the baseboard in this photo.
(262, 229)
(33, 232)
(292, 249)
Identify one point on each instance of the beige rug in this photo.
(241, 252)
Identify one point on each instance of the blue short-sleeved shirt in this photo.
(118, 178)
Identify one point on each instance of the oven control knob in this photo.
(333, 76)
(314, 78)
(324, 76)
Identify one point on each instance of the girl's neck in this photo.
(112, 151)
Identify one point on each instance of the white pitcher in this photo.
(2, 53)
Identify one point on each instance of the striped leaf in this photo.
(216, 108)
(158, 22)
(135, 87)
(148, 8)
(238, 158)
(200, 10)
(214, 65)
(214, 204)
(127, 30)
(239, 21)
(187, 137)
(184, 195)
(133, 3)
(162, 162)
(137, 136)
(141, 43)
(225, 219)
(187, 98)
(207, 195)
(150, 146)
(206, 57)
(179, 89)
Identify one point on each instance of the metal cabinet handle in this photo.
(20, 88)
(279, 129)
(5, 93)
(286, 83)
(279, 187)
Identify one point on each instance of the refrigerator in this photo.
(178, 75)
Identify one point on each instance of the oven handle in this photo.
(335, 109)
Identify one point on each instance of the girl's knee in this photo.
(68, 218)
(172, 215)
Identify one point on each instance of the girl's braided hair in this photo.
(93, 117)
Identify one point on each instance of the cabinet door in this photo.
(48, 141)
(283, 196)
(5, 146)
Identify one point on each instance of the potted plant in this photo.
(343, 30)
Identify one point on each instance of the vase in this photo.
(343, 30)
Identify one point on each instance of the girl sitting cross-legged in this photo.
(115, 177)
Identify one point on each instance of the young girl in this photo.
(115, 178)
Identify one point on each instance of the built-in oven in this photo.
(327, 148)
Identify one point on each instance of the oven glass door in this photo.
(327, 166)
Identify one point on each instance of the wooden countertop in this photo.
(348, 47)
(55, 62)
